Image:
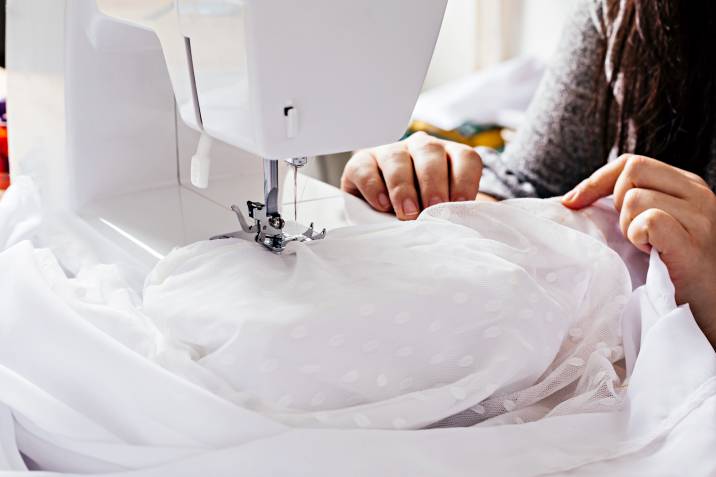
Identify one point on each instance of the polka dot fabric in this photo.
(398, 326)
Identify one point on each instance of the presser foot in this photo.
(268, 229)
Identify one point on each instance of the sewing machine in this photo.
(119, 107)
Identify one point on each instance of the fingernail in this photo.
(461, 199)
(383, 201)
(410, 208)
(435, 201)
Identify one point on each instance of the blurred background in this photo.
(477, 34)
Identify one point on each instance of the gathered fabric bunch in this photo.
(401, 325)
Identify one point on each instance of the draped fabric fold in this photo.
(94, 382)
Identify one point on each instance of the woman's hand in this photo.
(413, 174)
(671, 210)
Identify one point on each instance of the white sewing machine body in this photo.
(108, 97)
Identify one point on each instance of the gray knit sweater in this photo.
(560, 143)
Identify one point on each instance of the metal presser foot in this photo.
(268, 230)
(268, 225)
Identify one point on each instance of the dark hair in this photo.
(661, 59)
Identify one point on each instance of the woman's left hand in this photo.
(671, 210)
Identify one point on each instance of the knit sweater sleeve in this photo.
(562, 139)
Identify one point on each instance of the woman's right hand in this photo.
(413, 174)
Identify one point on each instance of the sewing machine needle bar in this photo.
(295, 193)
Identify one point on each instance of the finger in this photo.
(645, 173)
(362, 178)
(431, 168)
(659, 229)
(637, 201)
(630, 171)
(598, 185)
(465, 172)
(397, 167)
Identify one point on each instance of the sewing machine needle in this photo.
(295, 193)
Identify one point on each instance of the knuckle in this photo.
(415, 138)
(429, 147)
(628, 159)
(432, 148)
(633, 158)
(357, 162)
(704, 201)
(418, 135)
(469, 155)
(402, 191)
(709, 197)
(633, 199)
(634, 164)
(705, 190)
(349, 172)
(635, 231)
(589, 183)
(359, 158)
(360, 175)
(371, 182)
(356, 157)
(422, 139)
(381, 150)
(396, 156)
(697, 179)
(653, 218)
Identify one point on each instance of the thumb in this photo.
(600, 184)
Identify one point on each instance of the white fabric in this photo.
(396, 326)
(90, 384)
(19, 214)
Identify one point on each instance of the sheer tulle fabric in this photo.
(466, 314)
